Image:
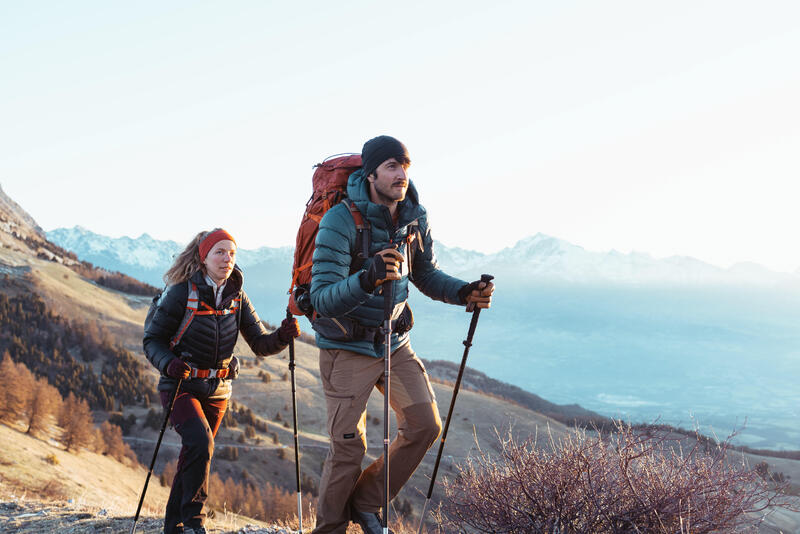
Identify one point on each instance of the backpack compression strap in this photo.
(208, 310)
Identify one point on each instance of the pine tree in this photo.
(76, 421)
(112, 437)
(11, 398)
(42, 403)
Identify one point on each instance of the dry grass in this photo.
(39, 468)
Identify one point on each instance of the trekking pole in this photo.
(388, 307)
(155, 453)
(294, 415)
(467, 344)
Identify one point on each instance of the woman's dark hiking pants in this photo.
(197, 422)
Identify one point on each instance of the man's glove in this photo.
(288, 329)
(477, 293)
(178, 368)
(385, 265)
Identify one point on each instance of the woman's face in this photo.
(220, 260)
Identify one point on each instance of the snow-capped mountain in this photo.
(544, 258)
(539, 258)
(144, 251)
(143, 257)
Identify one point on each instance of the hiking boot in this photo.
(370, 522)
(195, 530)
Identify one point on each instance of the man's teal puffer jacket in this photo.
(337, 293)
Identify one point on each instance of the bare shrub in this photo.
(625, 482)
(54, 490)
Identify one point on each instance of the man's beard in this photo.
(389, 196)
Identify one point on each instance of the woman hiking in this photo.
(204, 283)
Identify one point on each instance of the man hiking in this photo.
(346, 292)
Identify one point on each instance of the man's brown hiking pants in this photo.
(348, 379)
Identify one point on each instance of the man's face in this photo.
(390, 181)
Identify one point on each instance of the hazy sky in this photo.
(665, 127)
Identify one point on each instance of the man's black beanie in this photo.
(379, 149)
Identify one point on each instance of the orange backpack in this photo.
(329, 188)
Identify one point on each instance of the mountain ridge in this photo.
(536, 258)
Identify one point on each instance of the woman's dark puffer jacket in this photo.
(208, 342)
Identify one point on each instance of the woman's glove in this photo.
(178, 368)
(288, 329)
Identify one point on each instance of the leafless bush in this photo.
(625, 482)
(55, 490)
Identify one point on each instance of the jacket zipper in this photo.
(216, 340)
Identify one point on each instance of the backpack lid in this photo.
(332, 174)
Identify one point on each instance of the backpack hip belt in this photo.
(209, 373)
(347, 329)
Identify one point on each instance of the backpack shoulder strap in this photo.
(192, 302)
(413, 243)
(363, 235)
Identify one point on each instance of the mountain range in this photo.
(538, 258)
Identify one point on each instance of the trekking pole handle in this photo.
(289, 315)
(485, 278)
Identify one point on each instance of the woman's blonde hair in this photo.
(187, 262)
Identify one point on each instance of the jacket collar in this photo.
(358, 190)
(232, 287)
